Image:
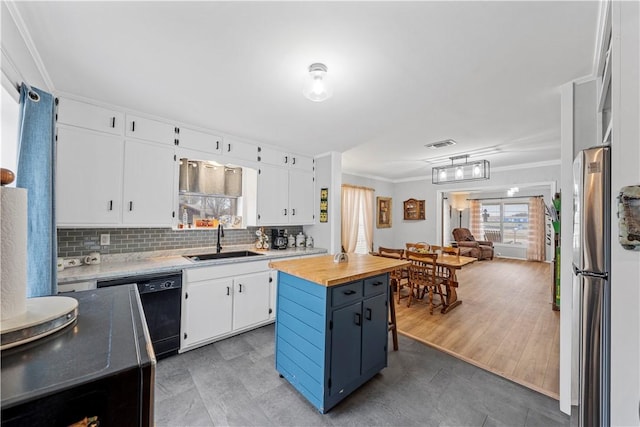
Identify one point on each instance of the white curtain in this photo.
(367, 216)
(536, 248)
(475, 222)
(356, 200)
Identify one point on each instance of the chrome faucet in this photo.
(220, 234)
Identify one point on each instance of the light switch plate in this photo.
(105, 239)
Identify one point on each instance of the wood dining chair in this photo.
(396, 278)
(423, 278)
(418, 247)
(399, 276)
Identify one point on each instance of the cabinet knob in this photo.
(133, 126)
(240, 285)
(349, 292)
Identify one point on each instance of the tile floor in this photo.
(234, 382)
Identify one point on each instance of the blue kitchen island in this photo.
(331, 324)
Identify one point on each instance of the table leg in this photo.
(452, 300)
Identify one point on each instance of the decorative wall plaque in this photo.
(629, 217)
(324, 205)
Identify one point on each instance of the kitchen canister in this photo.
(309, 242)
(291, 241)
(300, 240)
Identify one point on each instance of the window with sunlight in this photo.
(506, 222)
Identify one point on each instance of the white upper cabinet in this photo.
(285, 196)
(89, 116)
(277, 157)
(240, 150)
(88, 178)
(301, 200)
(149, 184)
(151, 130)
(200, 141)
(273, 196)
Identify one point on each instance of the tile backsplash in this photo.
(74, 242)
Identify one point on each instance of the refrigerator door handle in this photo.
(587, 273)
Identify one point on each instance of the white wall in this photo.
(625, 265)
(328, 168)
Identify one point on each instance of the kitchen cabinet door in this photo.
(148, 184)
(273, 292)
(301, 197)
(301, 162)
(206, 308)
(273, 195)
(240, 150)
(374, 333)
(345, 346)
(250, 299)
(200, 141)
(88, 178)
(151, 130)
(88, 116)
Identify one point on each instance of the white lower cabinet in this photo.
(221, 301)
(207, 307)
(250, 300)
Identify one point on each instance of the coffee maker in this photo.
(278, 241)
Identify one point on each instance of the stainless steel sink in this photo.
(221, 255)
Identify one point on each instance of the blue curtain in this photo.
(36, 163)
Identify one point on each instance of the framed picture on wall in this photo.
(383, 212)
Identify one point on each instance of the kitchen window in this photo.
(505, 222)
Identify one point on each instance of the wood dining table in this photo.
(452, 263)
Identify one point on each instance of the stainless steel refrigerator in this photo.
(591, 262)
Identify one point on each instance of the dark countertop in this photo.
(109, 337)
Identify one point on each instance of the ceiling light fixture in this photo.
(467, 171)
(317, 88)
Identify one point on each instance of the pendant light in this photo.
(317, 88)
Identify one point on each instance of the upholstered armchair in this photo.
(480, 249)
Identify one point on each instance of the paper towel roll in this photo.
(13, 251)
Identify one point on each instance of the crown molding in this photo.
(28, 41)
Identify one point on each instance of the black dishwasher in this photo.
(161, 296)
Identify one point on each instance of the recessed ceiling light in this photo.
(441, 144)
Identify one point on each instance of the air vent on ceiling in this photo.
(441, 144)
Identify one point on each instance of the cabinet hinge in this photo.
(259, 171)
(259, 149)
(173, 214)
(56, 117)
(57, 101)
(175, 158)
(330, 325)
(56, 136)
(313, 179)
(258, 216)
(185, 335)
(270, 311)
(329, 383)
(186, 295)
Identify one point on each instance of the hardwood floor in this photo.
(505, 324)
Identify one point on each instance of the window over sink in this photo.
(210, 193)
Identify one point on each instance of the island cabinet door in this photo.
(345, 347)
(374, 333)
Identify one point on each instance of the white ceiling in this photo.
(405, 74)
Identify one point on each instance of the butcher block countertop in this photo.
(324, 271)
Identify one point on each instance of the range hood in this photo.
(210, 178)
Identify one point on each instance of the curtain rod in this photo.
(359, 186)
(507, 198)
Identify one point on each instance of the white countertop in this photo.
(135, 263)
